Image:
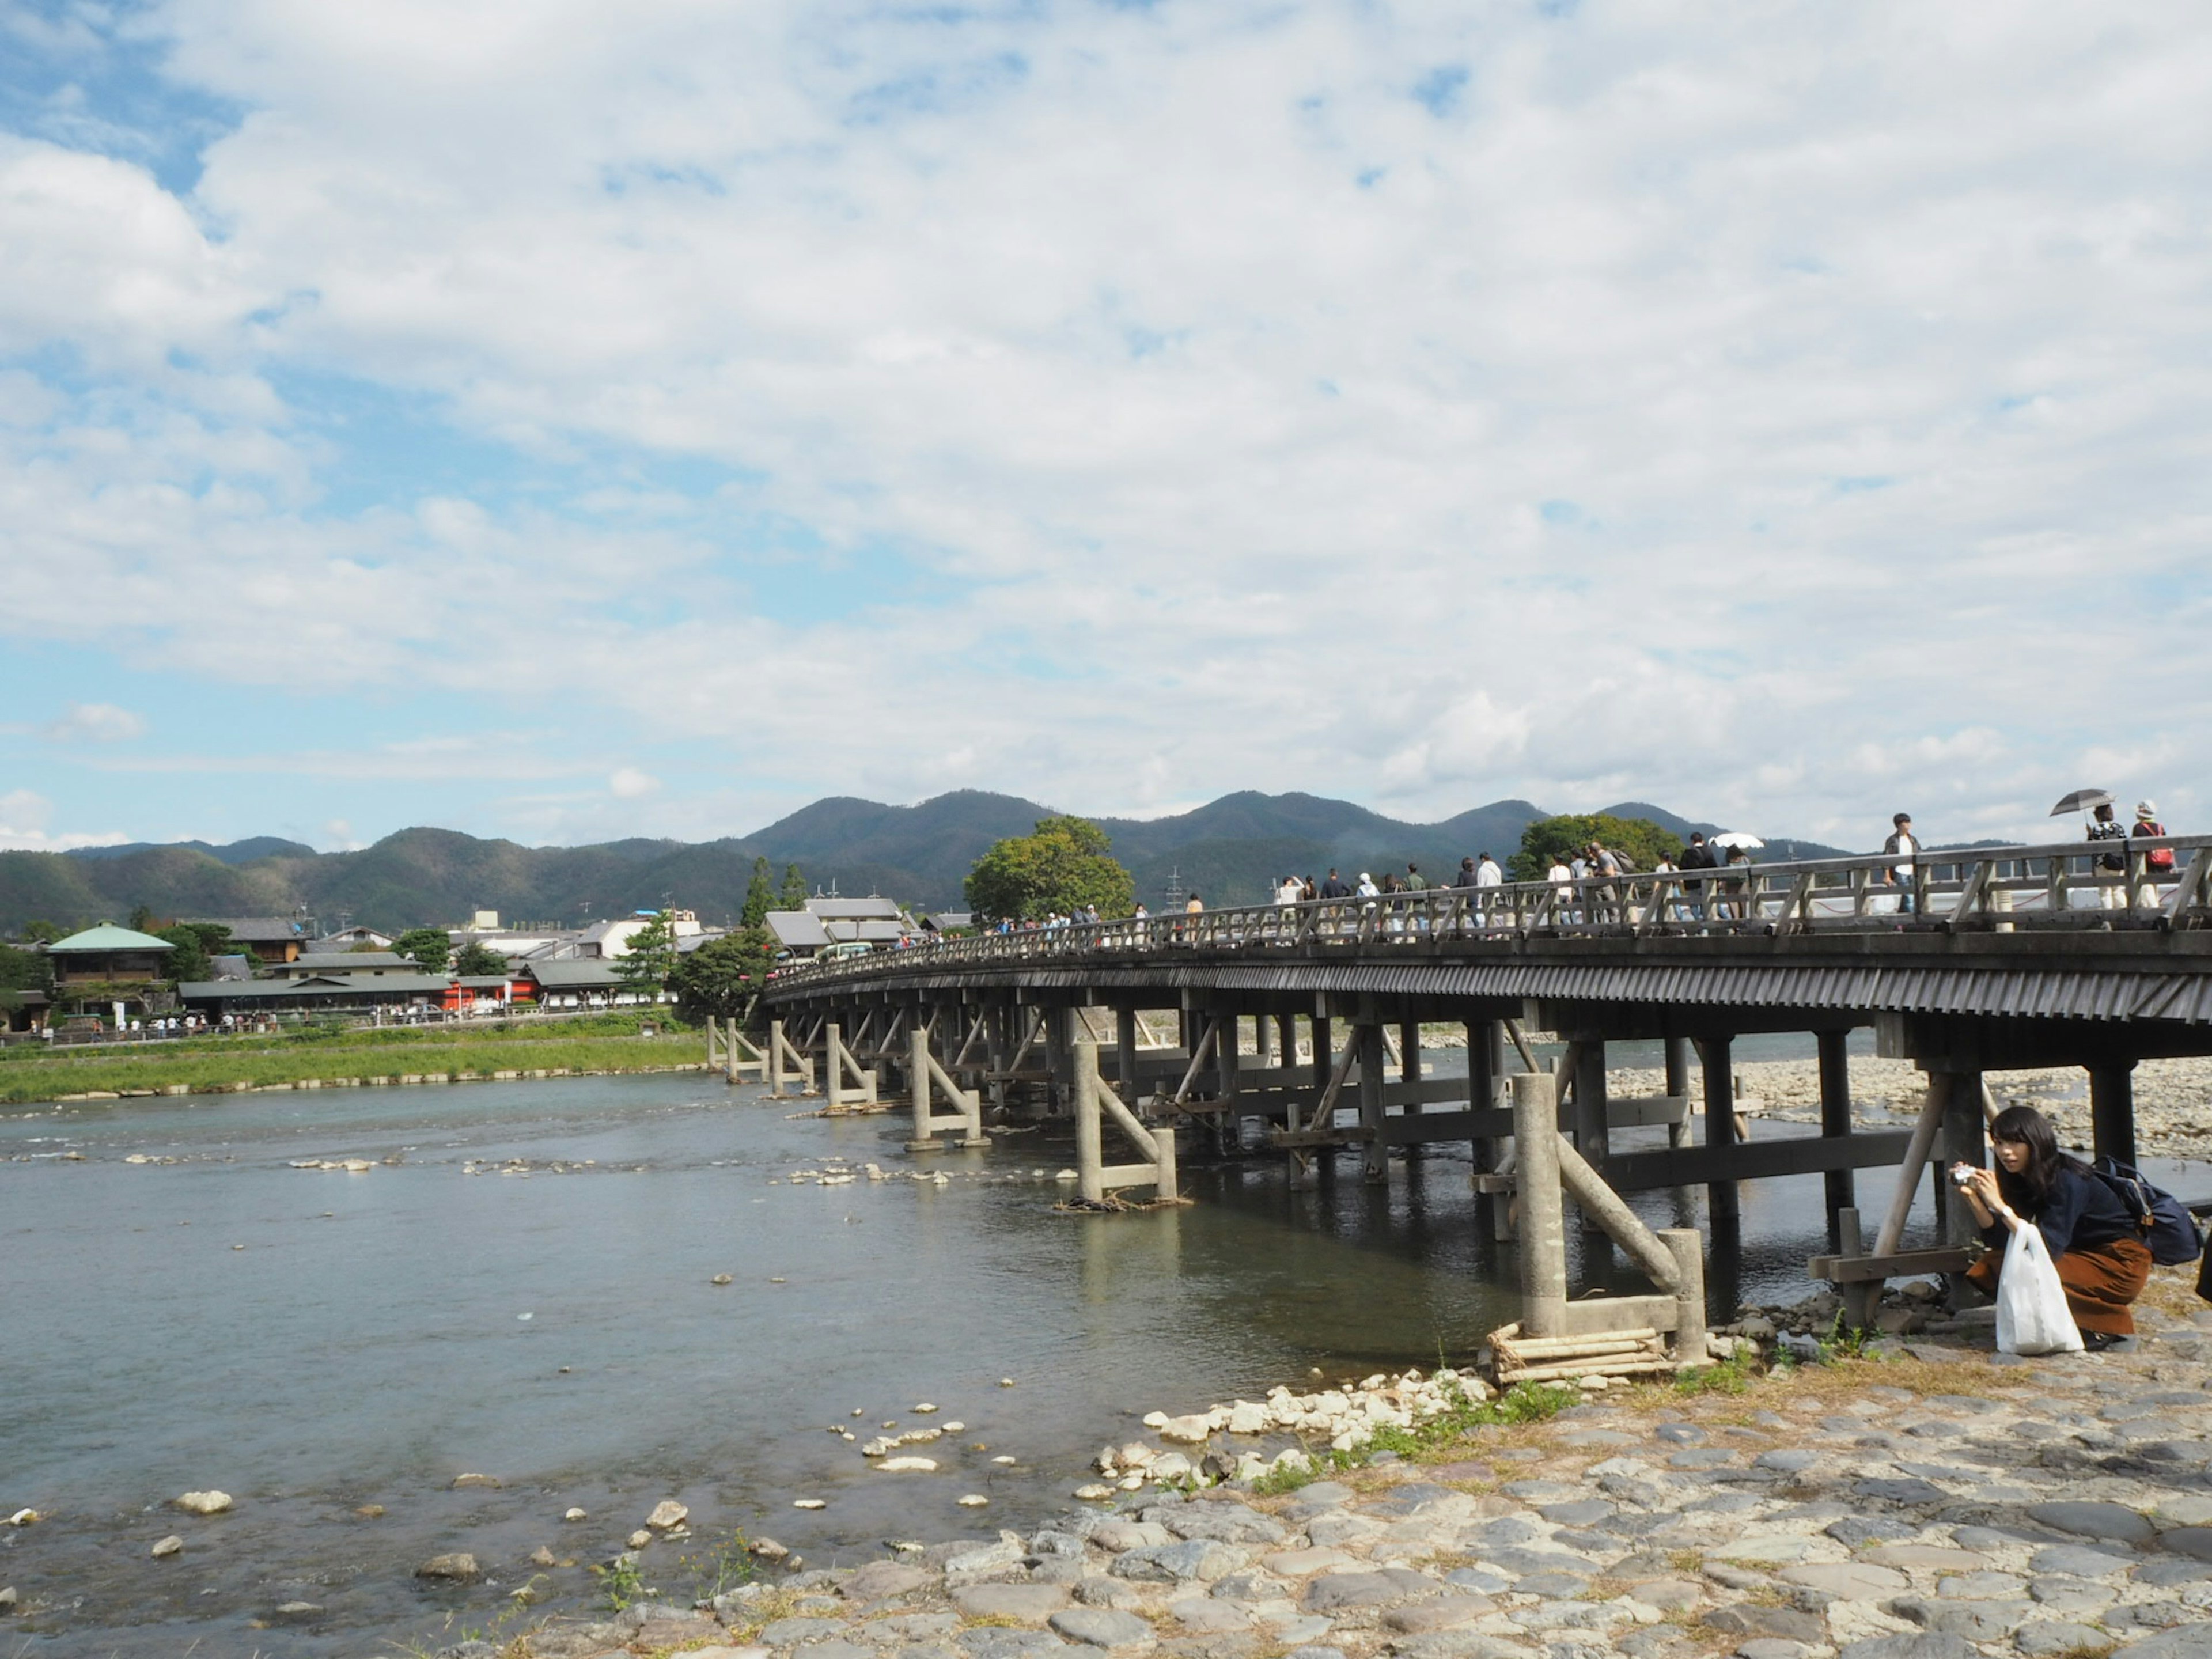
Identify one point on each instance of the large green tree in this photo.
(478, 960)
(760, 897)
(722, 977)
(430, 946)
(794, 895)
(650, 956)
(191, 959)
(25, 970)
(1061, 866)
(1567, 835)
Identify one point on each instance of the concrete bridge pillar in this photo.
(1716, 1057)
(2112, 1109)
(1125, 1055)
(1835, 1123)
(1287, 1027)
(1678, 1085)
(1962, 1141)
(1375, 1160)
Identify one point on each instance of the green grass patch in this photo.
(326, 1054)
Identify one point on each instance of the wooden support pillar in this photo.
(1225, 1055)
(1322, 1062)
(1125, 1054)
(1375, 1156)
(1962, 1141)
(1286, 1027)
(2112, 1109)
(1593, 1136)
(1543, 1219)
(1059, 1060)
(1678, 1085)
(1835, 1123)
(1409, 1051)
(1263, 1042)
(1716, 1055)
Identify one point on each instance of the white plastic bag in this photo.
(2032, 1313)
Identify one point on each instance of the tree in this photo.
(25, 970)
(760, 897)
(1063, 867)
(142, 919)
(1567, 835)
(429, 946)
(794, 895)
(39, 931)
(650, 957)
(190, 959)
(479, 960)
(719, 979)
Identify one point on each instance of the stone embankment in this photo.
(1939, 1506)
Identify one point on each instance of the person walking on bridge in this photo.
(2112, 866)
(1902, 871)
(2158, 861)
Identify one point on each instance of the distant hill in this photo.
(1230, 850)
(237, 852)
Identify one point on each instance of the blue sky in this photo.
(571, 421)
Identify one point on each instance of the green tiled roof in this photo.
(108, 937)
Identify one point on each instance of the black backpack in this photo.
(2163, 1220)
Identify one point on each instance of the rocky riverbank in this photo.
(2173, 1097)
(1929, 1501)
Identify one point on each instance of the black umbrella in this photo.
(2082, 800)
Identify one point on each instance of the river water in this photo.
(314, 1342)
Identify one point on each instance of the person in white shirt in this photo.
(1903, 850)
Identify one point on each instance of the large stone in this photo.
(986, 1562)
(2044, 1641)
(1912, 1494)
(1911, 1644)
(1456, 1645)
(1437, 1613)
(1748, 1618)
(1321, 1496)
(667, 1513)
(2182, 1642)
(989, 1642)
(790, 1632)
(458, 1566)
(1927, 1557)
(1103, 1592)
(1851, 1581)
(2196, 1542)
(1335, 1591)
(1297, 1563)
(170, 1546)
(1115, 1536)
(2081, 1560)
(1202, 1616)
(1103, 1627)
(1225, 1523)
(1981, 1587)
(2115, 1521)
(1025, 1604)
(2072, 1594)
(1979, 1622)
(1194, 1558)
(204, 1502)
(880, 1581)
(1189, 1431)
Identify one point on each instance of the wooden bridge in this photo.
(1295, 1027)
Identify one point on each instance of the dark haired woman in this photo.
(2101, 1258)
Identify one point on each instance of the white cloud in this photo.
(96, 722)
(23, 819)
(1756, 414)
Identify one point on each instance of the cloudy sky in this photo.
(564, 419)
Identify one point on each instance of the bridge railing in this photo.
(2067, 885)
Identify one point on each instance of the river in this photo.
(317, 1343)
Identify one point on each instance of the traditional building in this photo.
(109, 955)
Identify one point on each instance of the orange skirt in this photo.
(2102, 1283)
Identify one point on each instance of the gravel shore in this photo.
(1931, 1502)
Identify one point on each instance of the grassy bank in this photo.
(336, 1057)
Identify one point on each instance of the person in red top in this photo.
(2158, 861)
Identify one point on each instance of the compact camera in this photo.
(1962, 1177)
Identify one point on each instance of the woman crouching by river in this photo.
(2101, 1258)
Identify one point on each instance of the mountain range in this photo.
(1230, 850)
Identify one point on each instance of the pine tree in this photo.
(793, 897)
(760, 897)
